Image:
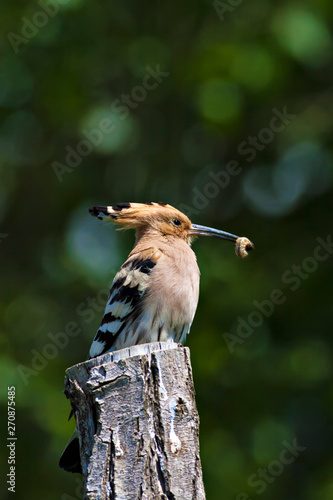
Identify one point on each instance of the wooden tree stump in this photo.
(138, 424)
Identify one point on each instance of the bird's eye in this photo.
(176, 222)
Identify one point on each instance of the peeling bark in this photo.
(138, 424)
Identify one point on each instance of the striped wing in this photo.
(125, 301)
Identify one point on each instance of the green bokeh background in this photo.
(231, 68)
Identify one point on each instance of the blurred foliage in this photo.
(73, 70)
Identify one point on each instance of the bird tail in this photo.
(70, 458)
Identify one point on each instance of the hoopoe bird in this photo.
(154, 295)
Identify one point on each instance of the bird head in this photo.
(163, 220)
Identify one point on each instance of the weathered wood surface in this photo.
(138, 424)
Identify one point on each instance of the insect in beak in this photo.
(243, 244)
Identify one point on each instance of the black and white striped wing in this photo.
(124, 305)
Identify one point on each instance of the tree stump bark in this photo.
(138, 424)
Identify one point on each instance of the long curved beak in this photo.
(197, 230)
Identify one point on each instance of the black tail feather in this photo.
(70, 459)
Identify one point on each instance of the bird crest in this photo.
(152, 217)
